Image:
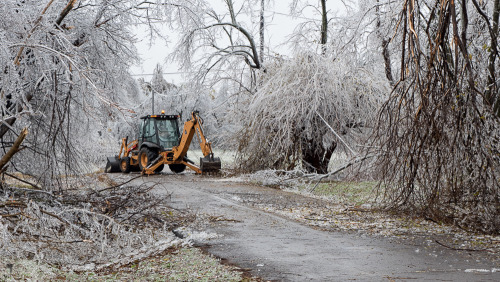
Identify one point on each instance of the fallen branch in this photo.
(115, 186)
(14, 149)
(24, 181)
(463, 249)
(78, 234)
(11, 215)
(139, 254)
(56, 216)
(357, 210)
(336, 134)
(316, 219)
(15, 204)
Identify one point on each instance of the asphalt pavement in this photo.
(277, 248)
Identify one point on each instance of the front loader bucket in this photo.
(113, 165)
(210, 164)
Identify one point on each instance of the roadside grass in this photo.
(183, 264)
(349, 192)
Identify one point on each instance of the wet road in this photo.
(277, 248)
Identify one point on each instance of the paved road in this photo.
(276, 248)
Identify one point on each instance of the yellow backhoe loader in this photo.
(160, 143)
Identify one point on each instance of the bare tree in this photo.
(384, 40)
(322, 27)
(221, 47)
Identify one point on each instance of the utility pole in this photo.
(153, 100)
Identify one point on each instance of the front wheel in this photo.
(125, 165)
(146, 156)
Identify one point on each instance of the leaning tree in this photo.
(304, 109)
(439, 130)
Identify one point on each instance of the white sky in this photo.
(279, 25)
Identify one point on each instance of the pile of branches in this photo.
(87, 229)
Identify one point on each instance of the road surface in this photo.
(277, 248)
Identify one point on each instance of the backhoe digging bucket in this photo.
(113, 165)
(210, 164)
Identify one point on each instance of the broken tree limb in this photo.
(336, 134)
(114, 186)
(65, 11)
(24, 181)
(33, 190)
(463, 249)
(14, 149)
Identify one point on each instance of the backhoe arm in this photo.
(195, 125)
(186, 138)
(190, 127)
(206, 147)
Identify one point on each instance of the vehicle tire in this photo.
(135, 168)
(125, 165)
(160, 168)
(177, 168)
(146, 155)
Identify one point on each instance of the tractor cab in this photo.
(159, 132)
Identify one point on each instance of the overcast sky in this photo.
(279, 25)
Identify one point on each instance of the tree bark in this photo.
(14, 149)
(65, 11)
(324, 27)
(385, 48)
(492, 94)
(262, 25)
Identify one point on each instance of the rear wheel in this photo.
(177, 168)
(160, 168)
(146, 156)
(125, 165)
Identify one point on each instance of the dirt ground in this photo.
(279, 235)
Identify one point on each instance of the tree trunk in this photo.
(492, 92)
(324, 27)
(385, 48)
(315, 158)
(262, 24)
